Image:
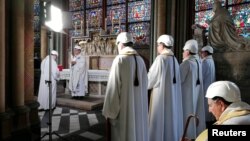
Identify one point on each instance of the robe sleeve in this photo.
(205, 69)
(184, 68)
(154, 73)
(111, 107)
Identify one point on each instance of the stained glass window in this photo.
(239, 9)
(138, 11)
(77, 17)
(93, 3)
(140, 32)
(94, 17)
(75, 5)
(112, 2)
(117, 16)
(241, 17)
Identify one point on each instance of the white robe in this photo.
(192, 94)
(43, 94)
(208, 75)
(126, 105)
(78, 75)
(165, 114)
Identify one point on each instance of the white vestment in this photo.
(78, 76)
(165, 113)
(192, 94)
(126, 105)
(208, 75)
(43, 94)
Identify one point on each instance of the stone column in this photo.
(5, 122)
(20, 117)
(2, 56)
(158, 24)
(44, 42)
(29, 51)
(17, 51)
(30, 100)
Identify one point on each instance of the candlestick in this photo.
(81, 26)
(105, 24)
(119, 23)
(87, 26)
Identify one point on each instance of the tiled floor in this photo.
(73, 125)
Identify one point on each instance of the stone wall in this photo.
(234, 66)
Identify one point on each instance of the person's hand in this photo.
(73, 62)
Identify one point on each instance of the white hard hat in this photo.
(225, 89)
(166, 39)
(53, 52)
(191, 45)
(77, 47)
(124, 37)
(208, 48)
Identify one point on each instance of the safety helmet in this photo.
(167, 40)
(77, 47)
(225, 89)
(53, 52)
(208, 49)
(124, 37)
(191, 45)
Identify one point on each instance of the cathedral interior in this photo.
(94, 25)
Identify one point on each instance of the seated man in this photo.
(224, 102)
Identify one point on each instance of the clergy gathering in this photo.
(124, 70)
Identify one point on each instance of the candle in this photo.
(105, 24)
(81, 26)
(87, 25)
(119, 23)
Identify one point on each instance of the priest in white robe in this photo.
(208, 75)
(78, 74)
(165, 113)
(126, 101)
(192, 88)
(46, 75)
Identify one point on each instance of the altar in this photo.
(97, 81)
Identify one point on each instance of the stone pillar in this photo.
(2, 56)
(234, 66)
(44, 42)
(158, 25)
(5, 122)
(29, 51)
(20, 117)
(17, 51)
(30, 100)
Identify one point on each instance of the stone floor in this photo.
(74, 119)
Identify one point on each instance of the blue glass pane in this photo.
(37, 38)
(75, 5)
(116, 14)
(140, 32)
(93, 3)
(116, 29)
(112, 2)
(37, 9)
(77, 19)
(139, 11)
(36, 23)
